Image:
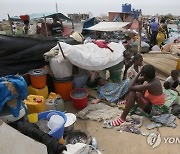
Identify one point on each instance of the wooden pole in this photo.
(140, 30)
(45, 26)
(72, 24)
(57, 8)
(10, 23)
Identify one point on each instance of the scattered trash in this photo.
(153, 125)
(94, 143)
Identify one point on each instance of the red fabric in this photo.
(24, 17)
(102, 44)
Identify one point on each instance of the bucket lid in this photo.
(66, 79)
(37, 72)
(71, 118)
(55, 121)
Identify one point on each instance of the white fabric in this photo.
(80, 148)
(60, 67)
(131, 72)
(108, 26)
(87, 56)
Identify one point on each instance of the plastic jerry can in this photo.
(41, 92)
(35, 103)
(59, 104)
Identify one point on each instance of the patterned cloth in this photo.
(13, 89)
(112, 92)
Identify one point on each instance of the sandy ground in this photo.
(111, 141)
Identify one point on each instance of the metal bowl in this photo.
(69, 125)
(78, 136)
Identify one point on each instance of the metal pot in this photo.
(69, 125)
(69, 128)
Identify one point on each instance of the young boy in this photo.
(146, 95)
(128, 61)
(172, 81)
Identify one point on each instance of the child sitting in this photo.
(172, 81)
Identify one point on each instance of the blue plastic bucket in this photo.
(58, 132)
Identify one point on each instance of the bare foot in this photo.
(95, 101)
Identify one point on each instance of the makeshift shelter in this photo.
(88, 56)
(88, 23)
(117, 18)
(35, 16)
(108, 26)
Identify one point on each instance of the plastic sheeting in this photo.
(21, 54)
(108, 26)
(90, 57)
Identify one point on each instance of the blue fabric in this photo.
(12, 87)
(112, 92)
(154, 26)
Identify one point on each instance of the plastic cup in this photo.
(55, 121)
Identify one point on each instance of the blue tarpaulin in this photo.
(90, 22)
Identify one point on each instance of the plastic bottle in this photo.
(59, 104)
(94, 143)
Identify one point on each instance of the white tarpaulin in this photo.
(108, 26)
(89, 56)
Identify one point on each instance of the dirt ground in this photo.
(111, 141)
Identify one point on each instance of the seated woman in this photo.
(147, 95)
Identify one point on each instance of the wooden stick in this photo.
(140, 29)
(61, 50)
(45, 26)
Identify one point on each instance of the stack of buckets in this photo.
(63, 87)
(38, 82)
(38, 91)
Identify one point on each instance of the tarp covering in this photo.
(90, 22)
(89, 56)
(20, 54)
(42, 15)
(108, 26)
(163, 63)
